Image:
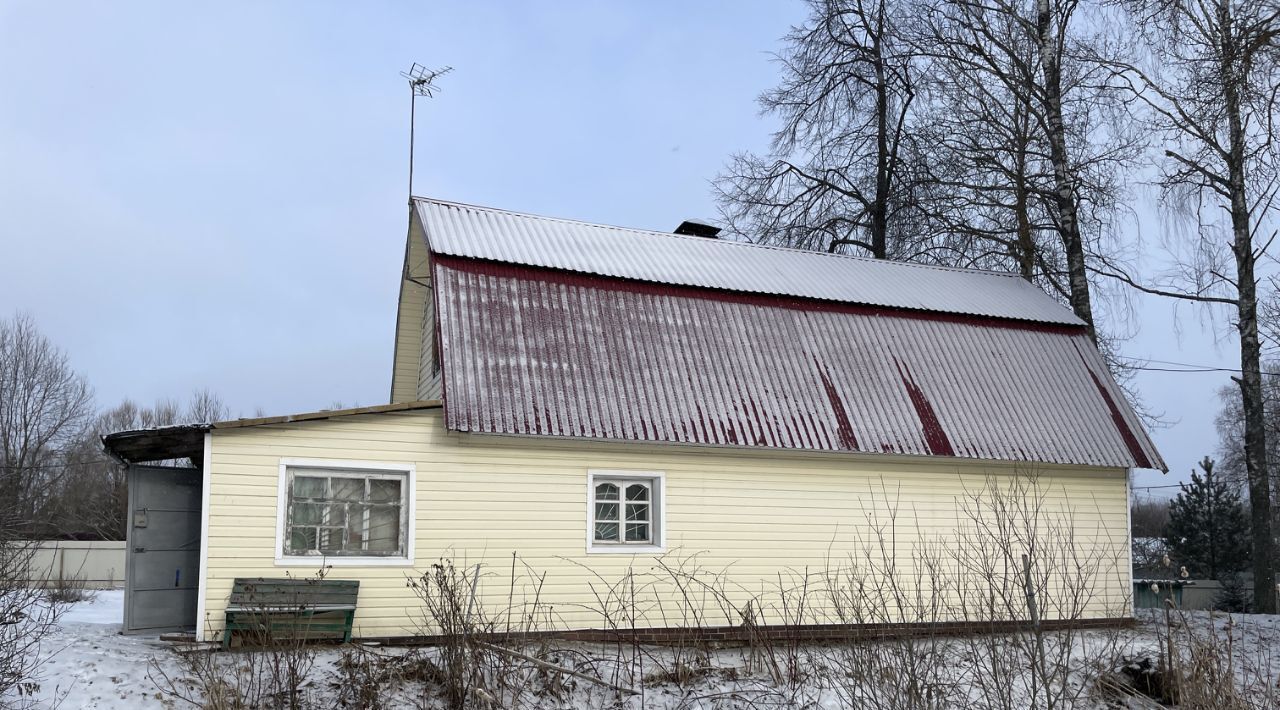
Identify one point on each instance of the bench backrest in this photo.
(259, 592)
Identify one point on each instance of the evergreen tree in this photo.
(1208, 532)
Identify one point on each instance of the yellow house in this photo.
(598, 428)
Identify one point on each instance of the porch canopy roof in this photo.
(182, 441)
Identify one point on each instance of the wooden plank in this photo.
(328, 414)
(291, 608)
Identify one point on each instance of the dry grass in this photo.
(68, 590)
(27, 617)
(1014, 559)
(274, 674)
(1201, 665)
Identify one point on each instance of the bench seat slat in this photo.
(317, 608)
(250, 600)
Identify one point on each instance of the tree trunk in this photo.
(880, 208)
(1064, 193)
(1026, 241)
(1022, 203)
(1255, 432)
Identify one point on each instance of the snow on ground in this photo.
(105, 607)
(90, 664)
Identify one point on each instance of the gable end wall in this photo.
(411, 313)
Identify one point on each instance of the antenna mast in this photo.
(420, 84)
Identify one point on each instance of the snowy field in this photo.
(91, 665)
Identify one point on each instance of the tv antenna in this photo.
(421, 83)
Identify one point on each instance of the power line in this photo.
(1189, 367)
(1171, 369)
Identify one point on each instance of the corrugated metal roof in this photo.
(182, 440)
(532, 351)
(661, 257)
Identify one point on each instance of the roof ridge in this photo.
(703, 240)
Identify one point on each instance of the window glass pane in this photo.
(302, 540)
(355, 528)
(606, 511)
(331, 539)
(606, 491)
(384, 529)
(383, 491)
(637, 532)
(607, 532)
(351, 489)
(637, 491)
(638, 511)
(307, 514)
(350, 514)
(308, 487)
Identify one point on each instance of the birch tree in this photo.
(1209, 90)
(837, 177)
(1027, 166)
(986, 162)
(1053, 17)
(960, 132)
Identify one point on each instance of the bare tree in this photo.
(838, 176)
(1053, 18)
(205, 407)
(1209, 89)
(947, 131)
(93, 496)
(27, 616)
(1024, 163)
(986, 163)
(1148, 518)
(1230, 424)
(44, 408)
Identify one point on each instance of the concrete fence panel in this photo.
(99, 564)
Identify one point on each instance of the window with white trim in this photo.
(346, 513)
(625, 511)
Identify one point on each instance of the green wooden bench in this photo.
(267, 610)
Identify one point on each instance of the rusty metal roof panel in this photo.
(538, 352)
(683, 260)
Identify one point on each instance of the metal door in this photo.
(163, 554)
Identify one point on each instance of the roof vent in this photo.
(697, 229)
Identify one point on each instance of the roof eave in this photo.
(187, 440)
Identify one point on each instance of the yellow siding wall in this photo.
(428, 374)
(414, 296)
(762, 516)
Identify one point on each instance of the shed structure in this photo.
(600, 401)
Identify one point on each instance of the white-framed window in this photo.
(345, 512)
(626, 511)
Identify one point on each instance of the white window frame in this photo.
(408, 470)
(657, 481)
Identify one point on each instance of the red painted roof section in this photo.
(531, 351)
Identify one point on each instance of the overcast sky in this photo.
(214, 196)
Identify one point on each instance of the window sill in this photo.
(626, 549)
(318, 562)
